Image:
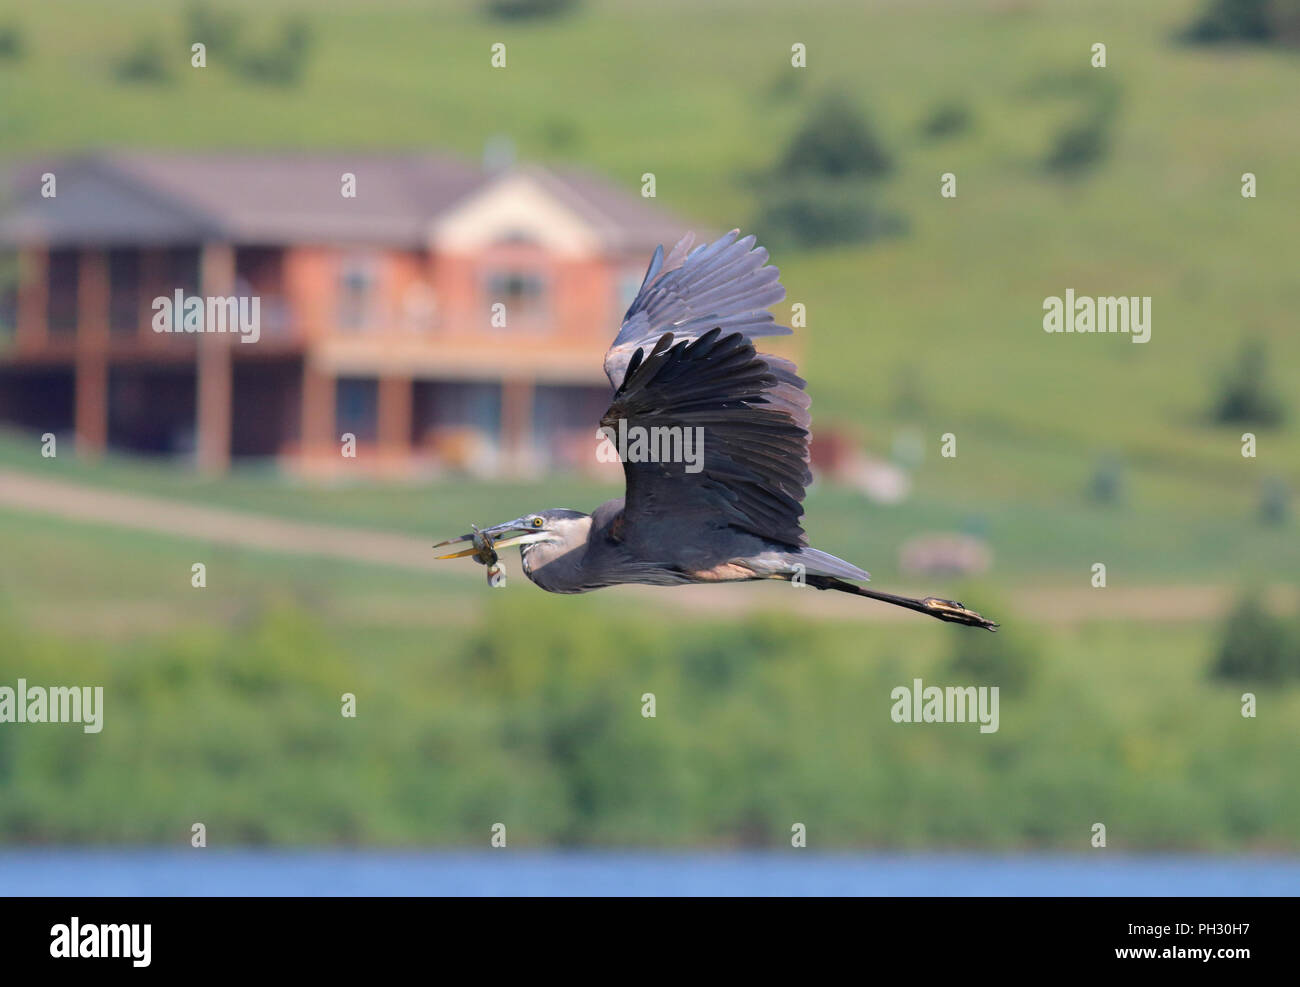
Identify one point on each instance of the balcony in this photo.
(52, 301)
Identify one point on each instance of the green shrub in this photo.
(523, 10)
(1233, 20)
(947, 120)
(11, 42)
(1106, 485)
(835, 141)
(1256, 647)
(561, 133)
(1079, 146)
(1084, 140)
(820, 213)
(1246, 395)
(283, 61)
(146, 62)
(1274, 501)
(218, 30)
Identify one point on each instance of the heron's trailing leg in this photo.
(947, 610)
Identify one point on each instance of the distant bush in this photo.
(1232, 20)
(1079, 145)
(784, 87)
(1246, 396)
(11, 42)
(1256, 647)
(283, 61)
(521, 10)
(218, 30)
(947, 120)
(280, 60)
(1247, 22)
(146, 62)
(561, 133)
(1084, 140)
(1106, 485)
(821, 191)
(821, 213)
(1286, 22)
(1274, 501)
(835, 141)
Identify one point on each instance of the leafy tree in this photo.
(283, 61)
(835, 141)
(1256, 647)
(1233, 20)
(1246, 395)
(821, 212)
(146, 62)
(947, 120)
(1274, 501)
(1079, 145)
(218, 30)
(11, 42)
(525, 10)
(1106, 486)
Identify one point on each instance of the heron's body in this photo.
(684, 359)
(600, 550)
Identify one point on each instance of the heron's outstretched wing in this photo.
(748, 416)
(727, 284)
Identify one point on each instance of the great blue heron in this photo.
(685, 367)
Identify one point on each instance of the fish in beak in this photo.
(483, 549)
(486, 543)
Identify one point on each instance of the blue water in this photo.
(521, 872)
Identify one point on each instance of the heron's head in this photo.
(556, 527)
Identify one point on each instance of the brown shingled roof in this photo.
(141, 197)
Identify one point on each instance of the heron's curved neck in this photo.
(556, 564)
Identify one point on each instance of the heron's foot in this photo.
(954, 613)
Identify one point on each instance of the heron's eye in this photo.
(537, 522)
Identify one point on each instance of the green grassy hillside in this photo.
(477, 707)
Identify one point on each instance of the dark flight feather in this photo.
(755, 450)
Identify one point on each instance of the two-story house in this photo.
(436, 312)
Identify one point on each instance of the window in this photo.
(523, 293)
(182, 268)
(356, 407)
(259, 273)
(124, 290)
(61, 305)
(357, 280)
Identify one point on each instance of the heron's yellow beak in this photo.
(518, 532)
(464, 553)
(525, 539)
